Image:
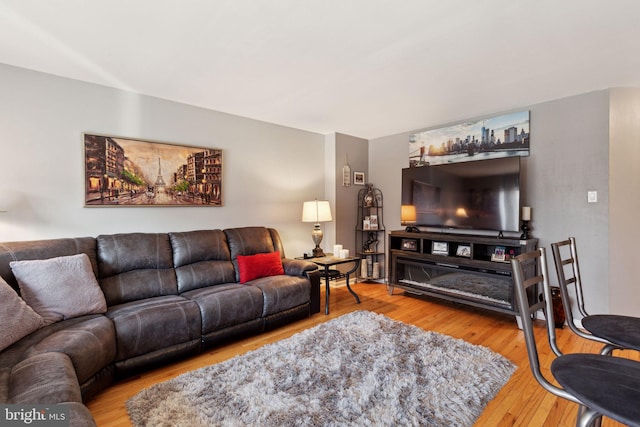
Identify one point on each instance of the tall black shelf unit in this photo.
(371, 235)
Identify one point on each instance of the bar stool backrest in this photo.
(565, 257)
(528, 311)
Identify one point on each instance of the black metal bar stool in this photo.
(600, 384)
(614, 331)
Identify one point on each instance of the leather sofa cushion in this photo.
(281, 293)
(139, 285)
(196, 246)
(135, 266)
(119, 253)
(154, 323)
(90, 344)
(249, 241)
(20, 350)
(277, 243)
(46, 378)
(226, 305)
(204, 274)
(201, 259)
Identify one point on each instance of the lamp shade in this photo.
(408, 214)
(462, 213)
(316, 211)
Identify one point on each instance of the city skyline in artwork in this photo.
(500, 136)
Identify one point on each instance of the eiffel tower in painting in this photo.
(160, 184)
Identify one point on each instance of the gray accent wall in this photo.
(587, 142)
(356, 151)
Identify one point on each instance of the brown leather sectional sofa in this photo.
(168, 295)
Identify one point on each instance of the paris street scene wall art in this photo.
(129, 172)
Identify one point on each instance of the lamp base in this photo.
(316, 235)
(525, 230)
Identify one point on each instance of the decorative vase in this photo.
(369, 198)
(558, 308)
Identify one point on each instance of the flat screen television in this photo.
(474, 195)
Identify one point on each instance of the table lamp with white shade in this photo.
(316, 211)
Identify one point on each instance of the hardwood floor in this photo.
(521, 402)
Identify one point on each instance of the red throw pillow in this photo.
(259, 265)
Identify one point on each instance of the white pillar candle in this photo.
(336, 250)
(376, 270)
(344, 253)
(526, 213)
(363, 268)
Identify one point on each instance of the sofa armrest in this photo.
(314, 278)
(297, 267)
(301, 267)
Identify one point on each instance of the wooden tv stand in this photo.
(463, 268)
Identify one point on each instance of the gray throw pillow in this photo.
(17, 319)
(60, 288)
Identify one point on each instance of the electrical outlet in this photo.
(592, 197)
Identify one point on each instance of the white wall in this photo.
(569, 156)
(269, 170)
(624, 200)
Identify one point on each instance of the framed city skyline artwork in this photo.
(122, 171)
(500, 136)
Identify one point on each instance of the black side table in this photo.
(333, 274)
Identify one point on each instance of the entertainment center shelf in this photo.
(468, 269)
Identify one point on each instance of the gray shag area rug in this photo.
(360, 369)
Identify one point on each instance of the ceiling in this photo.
(366, 68)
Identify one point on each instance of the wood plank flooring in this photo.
(522, 402)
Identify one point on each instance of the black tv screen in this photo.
(475, 195)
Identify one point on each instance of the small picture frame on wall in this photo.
(358, 178)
